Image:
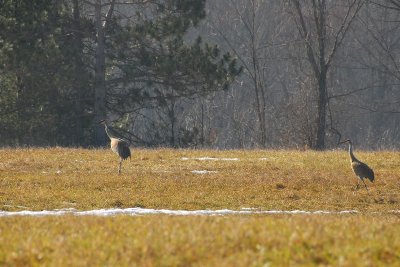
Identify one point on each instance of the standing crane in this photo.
(360, 169)
(118, 146)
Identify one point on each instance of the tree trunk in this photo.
(323, 67)
(172, 118)
(260, 110)
(99, 83)
(78, 45)
(321, 116)
(259, 90)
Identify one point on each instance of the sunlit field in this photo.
(50, 179)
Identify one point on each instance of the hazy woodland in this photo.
(298, 74)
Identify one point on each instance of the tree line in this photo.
(314, 72)
(65, 65)
(196, 73)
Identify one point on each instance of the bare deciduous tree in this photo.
(250, 29)
(322, 26)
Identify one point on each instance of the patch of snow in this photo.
(66, 209)
(213, 159)
(203, 172)
(348, 211)
(394, 211)
(143, 211)
(244, 208)
(32, 213)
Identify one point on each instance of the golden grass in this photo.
(40, 179)
(284, 240)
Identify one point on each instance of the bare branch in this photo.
(341, 33)
(306, 35)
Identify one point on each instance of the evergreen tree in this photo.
(151, 65)
(38, 70)
(56, 58)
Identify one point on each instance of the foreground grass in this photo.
(57, 178)
(345, 240)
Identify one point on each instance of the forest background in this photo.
(200, 74)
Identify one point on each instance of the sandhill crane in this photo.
(118, 146)
(360, 169)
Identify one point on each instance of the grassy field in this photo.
(57, 178)
(348, 240)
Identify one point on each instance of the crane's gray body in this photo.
(361, 169)
(121, 148)
(118, 145)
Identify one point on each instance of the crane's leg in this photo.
(358, 185)
(120, 165)
(366, 187)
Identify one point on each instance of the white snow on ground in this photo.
(202, 172)
(208, 158)
(250, 209)
(143, 211)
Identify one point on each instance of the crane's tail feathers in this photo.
(371, 177)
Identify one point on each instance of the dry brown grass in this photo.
(84, 179)
(295, 240)
(40, 179)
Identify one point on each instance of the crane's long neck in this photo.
(352, 157)
(108, 132)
